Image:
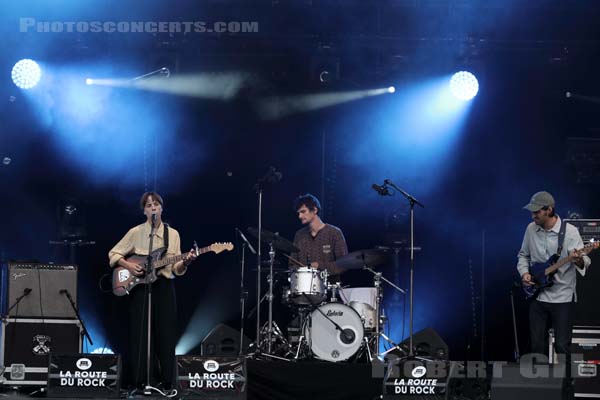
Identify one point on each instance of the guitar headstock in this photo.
(196, 249)
(219, 247)
(592, 245)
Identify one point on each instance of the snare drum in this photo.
(308, 285)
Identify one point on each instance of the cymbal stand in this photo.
(377, 280)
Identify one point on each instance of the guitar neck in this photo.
(568, 259)
(174, 259)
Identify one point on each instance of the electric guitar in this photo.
(542, 274)
(124, 281)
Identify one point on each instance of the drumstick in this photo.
(293, 260)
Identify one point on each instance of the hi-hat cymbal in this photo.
(369, 257)
(279, 242)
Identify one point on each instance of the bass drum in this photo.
(326, 341)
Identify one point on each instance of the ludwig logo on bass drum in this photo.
(331, 313)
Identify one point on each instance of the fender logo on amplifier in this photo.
(16, 276)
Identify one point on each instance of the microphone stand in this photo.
(17, 301)
(412, 201)
(84, 331)
(514, 321)
(243, 293)
(147, 387)
(258, 266)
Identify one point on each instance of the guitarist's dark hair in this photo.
(552, 213)
(154, 195)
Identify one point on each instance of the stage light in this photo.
(26, 74)
(464, 85)
(392, 89)
(89, 81)
(102, 350)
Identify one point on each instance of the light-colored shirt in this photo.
(137, 241)
(539, 245)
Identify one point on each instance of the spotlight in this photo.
(102, 350)
(26, 74)
(391, 89)
(89, 81)
(464, 85)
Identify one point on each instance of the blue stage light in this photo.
(26, 74)
(464, 85)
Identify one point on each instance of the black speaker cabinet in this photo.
(44, 299)
(26, 344)
(429, 344)
(587, 312)
(514, 383)
(223, 341)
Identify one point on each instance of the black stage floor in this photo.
(283, 380)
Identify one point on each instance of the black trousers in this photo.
(164, 333)
(558, 316)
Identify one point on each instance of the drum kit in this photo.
(332, 323)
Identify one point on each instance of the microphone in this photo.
(382, 190)
(154, 217)
(272, 175)
(245, 240)
(26, 291)
(62, 291)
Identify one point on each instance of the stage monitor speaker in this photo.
(427, 343)
(512, 385)
(45, 282)
(223, 341)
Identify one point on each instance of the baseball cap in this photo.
(539, 201)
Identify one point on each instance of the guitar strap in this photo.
(561, 237)
(166, 236)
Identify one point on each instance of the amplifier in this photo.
(211, 378)
(585, 350)
(84, 375)
(26, 344)
(588, 228)
(45, 281)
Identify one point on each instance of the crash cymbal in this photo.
(279, 242)
(370, 257)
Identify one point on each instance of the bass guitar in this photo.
(124, 281)
(542, 274)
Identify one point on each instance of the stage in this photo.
(280, 380)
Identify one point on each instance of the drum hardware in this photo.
(274, 241)
(377, 279)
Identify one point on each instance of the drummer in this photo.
(320, 244)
